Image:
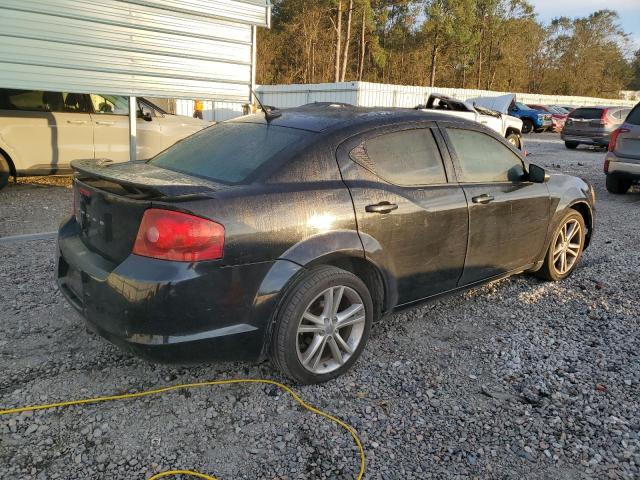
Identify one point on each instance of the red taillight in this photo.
(169, 235)
(614, 138)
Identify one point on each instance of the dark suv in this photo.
(592, 125)
(622, 163)
(286, 238)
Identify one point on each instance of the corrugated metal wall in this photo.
(367, 94)
(213, 111)
(162, 48)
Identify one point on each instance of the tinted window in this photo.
(39, 101)
(483, 158)
(634, 116)
(112, 104)
(409, 157)
(229, 152)
(586, 113)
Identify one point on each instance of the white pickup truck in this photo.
(506, 125)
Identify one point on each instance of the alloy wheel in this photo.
(567, 246)
(330, 329)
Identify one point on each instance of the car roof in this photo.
(328, 117)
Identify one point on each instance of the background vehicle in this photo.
(506, 125)
(558, 117)
(532, 120)
(622, 162)
(287, 237)
(42, 132)
(592, 125)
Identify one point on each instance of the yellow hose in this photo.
(157, 391)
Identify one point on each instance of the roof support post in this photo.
(133, 117)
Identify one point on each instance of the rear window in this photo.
(229, 152)
(634, 116)
(586, 113)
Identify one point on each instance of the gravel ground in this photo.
(517, 379)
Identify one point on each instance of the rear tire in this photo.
(565, 250)
(571, 145)
(308, 343)
(527, 126)
(5, 171)
(617, 185)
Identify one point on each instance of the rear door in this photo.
(411, 218)
(44, 131)
(628, 143)
(508, 216)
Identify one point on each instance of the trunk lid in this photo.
(628, 143)
(111, 198)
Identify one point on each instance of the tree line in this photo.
(481, 44)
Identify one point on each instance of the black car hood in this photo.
(146, 177)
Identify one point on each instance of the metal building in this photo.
(158, 48)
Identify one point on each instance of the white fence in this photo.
(367, 94)
(214, 111)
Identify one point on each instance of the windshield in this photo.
(229, 152)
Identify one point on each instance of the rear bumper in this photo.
(174, 312)
(602, 140)
(622, 167)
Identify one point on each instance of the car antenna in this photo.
(269, 112)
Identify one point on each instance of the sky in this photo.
(628, 10)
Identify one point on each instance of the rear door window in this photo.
(586, 113)
(39, 101)
(634, 117)
(230, 152)
(406, 158)
(483, 159)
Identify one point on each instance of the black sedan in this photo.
(286, 237)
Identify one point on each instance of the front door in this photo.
(508, 215)
(111, 130)
(412, 221)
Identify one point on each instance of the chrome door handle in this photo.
(382, 207)
(483, 199)
(77, 122)
(104, 123)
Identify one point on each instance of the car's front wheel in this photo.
(5, 171)
(617, 185)
(322, 326)
(566, 248)
(514, 139)
(527, 126)
(571, 145)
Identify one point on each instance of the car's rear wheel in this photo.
(617, 185)
(527, 126)
(322, 326)
(566, 248)
(571, 145)
(5, 171)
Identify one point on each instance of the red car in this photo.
(557, 117)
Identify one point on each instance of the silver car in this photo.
(592, 125)
(622, 162)
(42, 132)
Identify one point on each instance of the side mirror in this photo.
(145, 116)
(537, 174)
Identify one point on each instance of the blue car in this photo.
(532, 120)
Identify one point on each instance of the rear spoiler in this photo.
(142, 180)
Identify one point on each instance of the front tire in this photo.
(617, 185)
(322, 326)
(566, 248)
(571, 145)
(5, 171)
(514, 139)
(527, 126)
